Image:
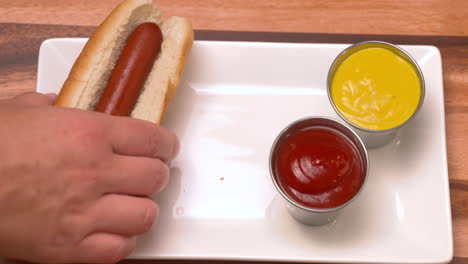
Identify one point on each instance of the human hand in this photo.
(74, 184)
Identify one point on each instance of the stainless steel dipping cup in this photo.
(374, 138)
(304, 214)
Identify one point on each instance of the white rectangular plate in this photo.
(220, 204)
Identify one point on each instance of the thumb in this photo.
(35, 99)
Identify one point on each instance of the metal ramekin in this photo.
(374, 138)
(304, 214)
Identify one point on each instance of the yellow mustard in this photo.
(376, 89)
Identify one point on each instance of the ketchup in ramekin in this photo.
(319, 165)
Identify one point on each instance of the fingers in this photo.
(124, 215)
(135, 137)
(104, 248)
(35, 99)
(135, 176)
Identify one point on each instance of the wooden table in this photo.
(25, 24)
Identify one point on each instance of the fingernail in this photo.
(148, 219)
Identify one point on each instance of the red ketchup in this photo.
(319, 167)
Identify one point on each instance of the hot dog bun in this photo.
(88, 76)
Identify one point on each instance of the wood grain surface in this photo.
(25, 24)
(415, 17)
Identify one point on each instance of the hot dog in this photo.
(131, 65)
(131, 70)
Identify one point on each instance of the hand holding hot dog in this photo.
(73, 182)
